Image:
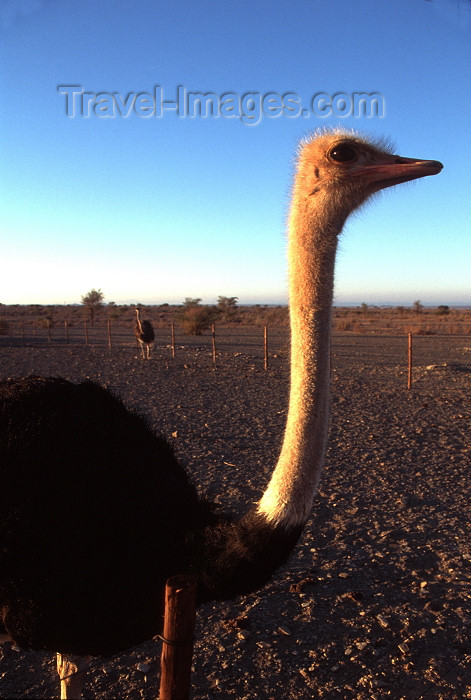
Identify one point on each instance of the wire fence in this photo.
(258, 343)
(392, 351)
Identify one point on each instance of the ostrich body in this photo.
(144, 334)
(96, 511)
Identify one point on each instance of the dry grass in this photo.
(397, 321)
(360, 320)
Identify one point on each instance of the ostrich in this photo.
(96, 512)
(144, 334)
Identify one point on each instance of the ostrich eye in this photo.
(343, 154)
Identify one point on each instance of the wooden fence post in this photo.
(48, 331)
(86, 332)
(71, 670)
(109, 334)
(409, 361)
(265, 347)
(178, 633)
(172, 330)
(213, 342)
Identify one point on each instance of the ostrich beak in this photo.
(397, 169)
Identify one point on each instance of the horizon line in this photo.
(382, 305)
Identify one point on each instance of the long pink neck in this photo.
(312, 247)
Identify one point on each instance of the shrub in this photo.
(227, 307)
(417, 307)
(92, 301)
(443, 310)
(195, 319)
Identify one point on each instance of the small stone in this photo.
(382, 621)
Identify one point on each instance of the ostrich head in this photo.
(338, 171)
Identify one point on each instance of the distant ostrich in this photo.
(96, 513)
(144, 334)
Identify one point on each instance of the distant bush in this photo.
(417, 307)
(270, 315)
(443, 310)
(46, 322)
(195, 319)
(227, 308)
(92, 301)
(343, 325)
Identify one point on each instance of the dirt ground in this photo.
(375, 602)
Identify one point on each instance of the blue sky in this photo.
(154, 209)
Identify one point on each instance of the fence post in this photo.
(86, 331)
(71, 670)
(265, 347)
(213, 342)
(178, 633)
(66, 324)
(109, 334)
(409, 360)
(48, 331)
(172, 330)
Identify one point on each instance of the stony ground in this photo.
(376, 601)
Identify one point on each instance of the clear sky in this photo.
(118, 191)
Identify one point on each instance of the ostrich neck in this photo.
(311, 255)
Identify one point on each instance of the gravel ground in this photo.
(375, 602)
